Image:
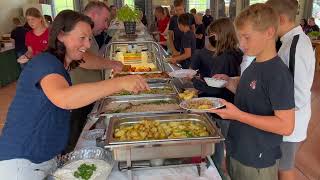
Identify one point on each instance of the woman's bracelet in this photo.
(27, 56)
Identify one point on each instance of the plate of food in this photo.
(202, 104)
(217, 83)
(183, 73)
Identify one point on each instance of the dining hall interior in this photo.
(160, 89)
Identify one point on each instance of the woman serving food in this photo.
(37, 124)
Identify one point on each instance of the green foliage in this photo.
(128, 14)
(60, 5)
(314, 34)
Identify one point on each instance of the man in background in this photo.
(207, 18)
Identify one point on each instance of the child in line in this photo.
(220, 56)
(188, 43)
(264, 99)
(301, 63)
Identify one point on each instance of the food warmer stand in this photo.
(128, 153)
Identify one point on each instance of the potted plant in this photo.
(314, 35)
(129, 16)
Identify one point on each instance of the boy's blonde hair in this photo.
(286, 7)
(260, 16)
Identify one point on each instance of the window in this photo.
(199, 5)
(230, 8)
(257, 1)
(129, 2)
(316, 11)
(60, 5)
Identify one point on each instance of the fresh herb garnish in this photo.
(85, 171)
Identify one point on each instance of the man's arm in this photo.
(171, 44)
(93, 61)
(182, 57)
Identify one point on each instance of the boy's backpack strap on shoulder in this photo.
(292, 57)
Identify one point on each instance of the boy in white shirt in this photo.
(297, 53)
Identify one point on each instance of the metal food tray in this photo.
(154, 51)
(153, 86)
(149, 80)
(119, 100)
(151, 59)
(163, 148)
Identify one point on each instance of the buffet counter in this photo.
(168, 158)
(9, 68)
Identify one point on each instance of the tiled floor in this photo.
(308, 156)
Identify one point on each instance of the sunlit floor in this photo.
(308, 157)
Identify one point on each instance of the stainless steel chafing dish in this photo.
(163, 89)
(155, 150)
(102, 107)
(151, 48)
(151, 77)
(161, 148)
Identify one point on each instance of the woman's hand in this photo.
(232, 82)
(229, 112)
(133, 83)
(222, 77)
(23, 59)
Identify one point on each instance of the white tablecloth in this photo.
(181, 173)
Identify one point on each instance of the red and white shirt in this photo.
(162, 25)
(38, 44)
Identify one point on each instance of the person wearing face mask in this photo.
(90, 71)
(37, 124)
(221, 55)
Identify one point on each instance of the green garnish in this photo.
(189, 134)
(85, 171)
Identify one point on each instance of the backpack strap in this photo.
(292, 58)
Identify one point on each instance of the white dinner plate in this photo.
(216, 104)
(183, 73)
(213, 82)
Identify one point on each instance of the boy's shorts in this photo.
(238, 171)
(289, 150)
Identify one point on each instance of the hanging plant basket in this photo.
(130, 27)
